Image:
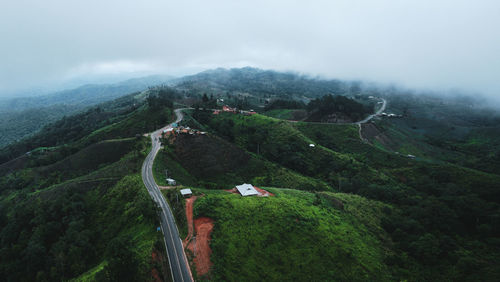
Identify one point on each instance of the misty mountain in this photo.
(262, 83)
(21, 117)
(83, 96)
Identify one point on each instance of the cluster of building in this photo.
(244, 190)
(228, 109)
(176, 129)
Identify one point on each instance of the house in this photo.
(226, 108)
(171, 182)
(247, 190)
(186, 193)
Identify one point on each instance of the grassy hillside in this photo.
(211, 161)
(25, 116)
(281, 142)
(77, 208)
(441, 204)
(295, 236)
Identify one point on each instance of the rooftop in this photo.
(247, 190)
(186, 191)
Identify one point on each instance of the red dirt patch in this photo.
(189, 217)
(263, 193)
(201, 248)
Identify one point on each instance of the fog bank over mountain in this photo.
(437, 45)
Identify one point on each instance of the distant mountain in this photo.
(83, 96)
(263, 83)
(22, 117)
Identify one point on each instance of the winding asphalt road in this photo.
(368, 118)
(176, 257)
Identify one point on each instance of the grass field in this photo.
(295, 236)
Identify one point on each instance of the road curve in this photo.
(368, 118)
(176, 257)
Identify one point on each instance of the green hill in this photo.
(77, 208)
(296, 236)
(438, 204)
(73, 206)
(213, 162)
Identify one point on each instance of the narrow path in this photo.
(382, 109)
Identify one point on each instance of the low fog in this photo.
(438, 45)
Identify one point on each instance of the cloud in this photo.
(430, 44)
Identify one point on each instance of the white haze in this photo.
(424, 44)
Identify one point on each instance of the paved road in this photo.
(175, 251)
(368, 118)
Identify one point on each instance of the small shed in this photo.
(171, 182)
(186, 193)
(247, 190)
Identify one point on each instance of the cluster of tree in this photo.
(284, 104)
(61, 237)
(319, 109)
(449, 215)
(74, 127)
(162, 97)
(263, 83)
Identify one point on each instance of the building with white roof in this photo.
(186, 192)
(247, 190)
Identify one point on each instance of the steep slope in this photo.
(24, 117)
(442, 208)
(213, 162)
(78, 208)
(296, 236)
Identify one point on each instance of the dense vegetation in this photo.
(284, 104)
(212, 162)
(335, 108)
(77, 208)
(447, 215)
(63, 236)
(25, 116)
(16, 125)
(296, 236)
(261, 83)
(74, 205)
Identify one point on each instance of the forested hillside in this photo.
(412, 196)
(444, 215)
(75, 207)
(25, 116)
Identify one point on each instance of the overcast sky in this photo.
(423, 44)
